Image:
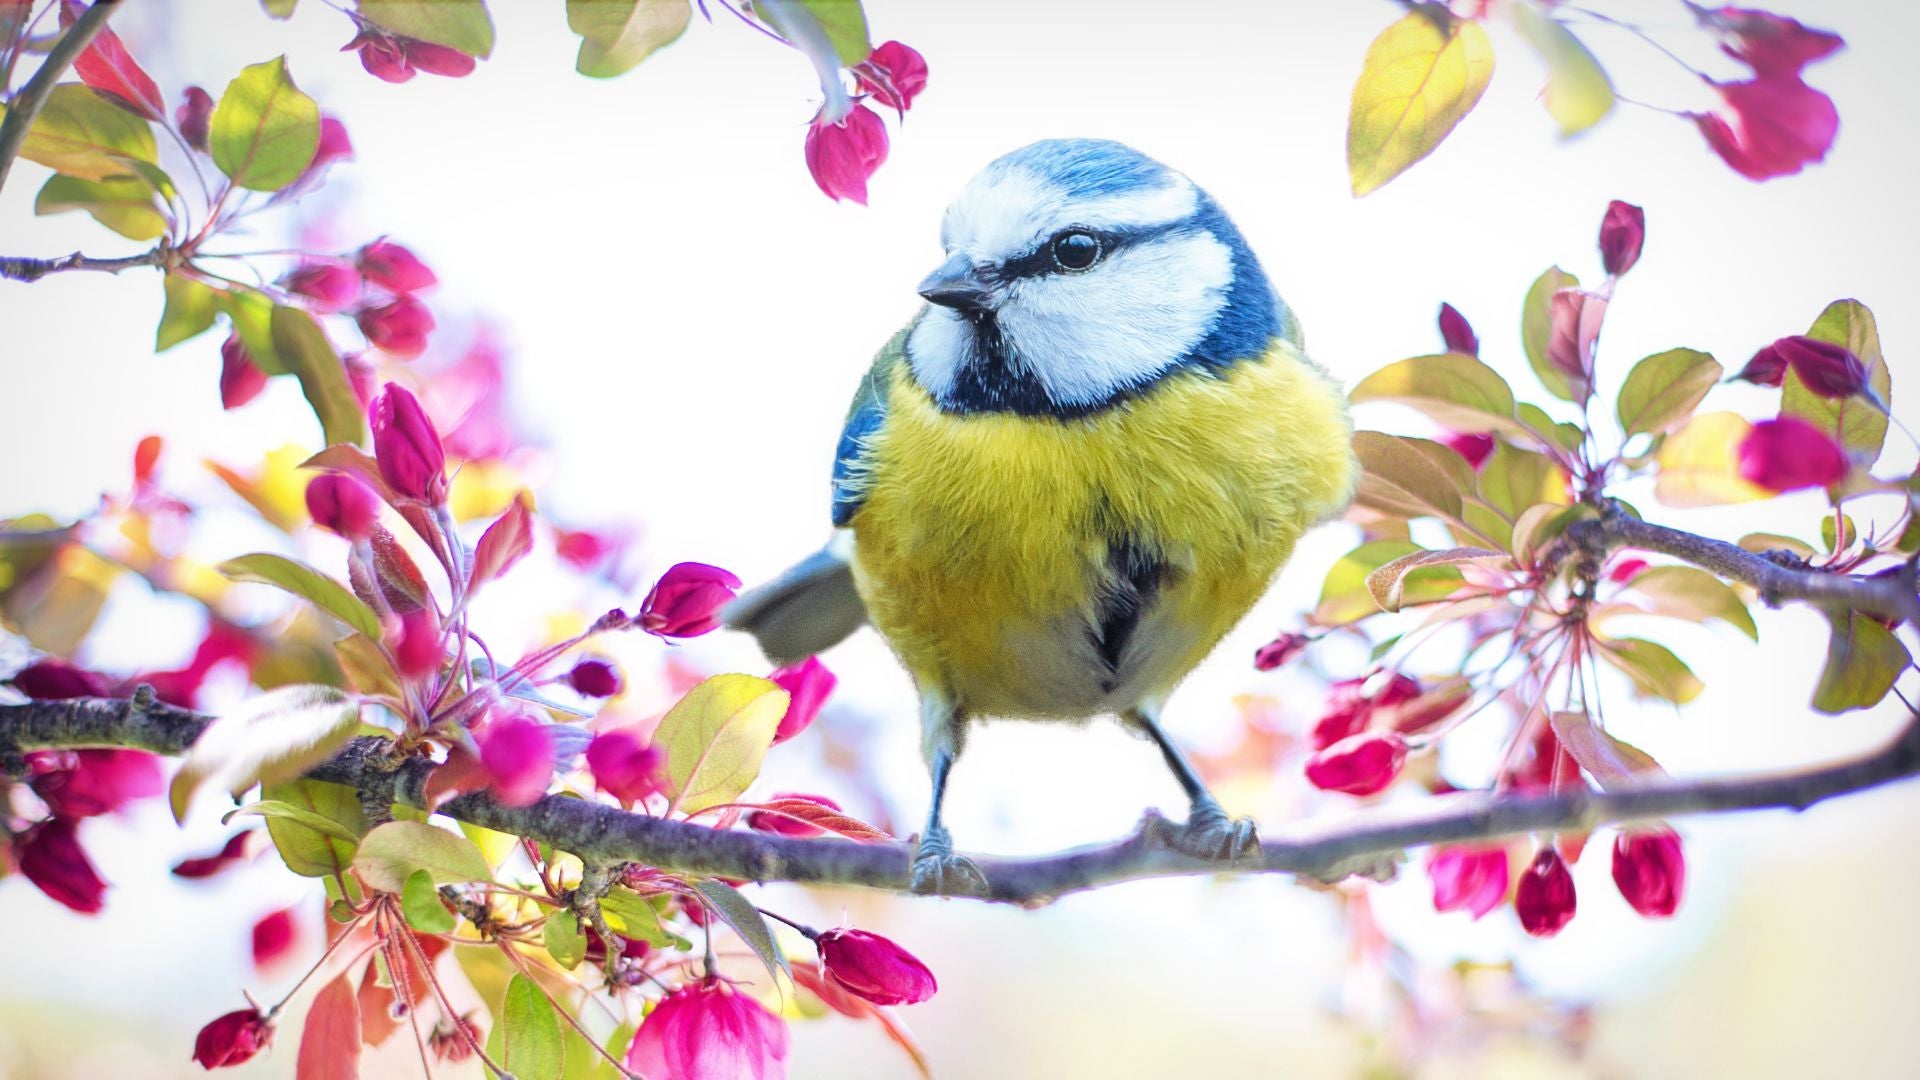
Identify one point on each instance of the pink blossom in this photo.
(894, 74)
(1770, 44)
(273, 936)
(594, 677)
(232, 1039)
(1622, 233)
(1280, 651)
(1456, 332)
(709, 1031)
(624, 765)
(407, 447)
(1788, 453)
(517, 752)
(193, 116)
(687, 599)
(394, 59)
(843, 155)
(1545, 900)
(86, 783)
(50, 856)
(1650, 870)
(343, 505)
(873, 967)
(328, 286)
(398, 327)
(1772, 126)
(241, 380)
(1468, 878)
(808, 684)
(1359, 764)
(394, 268)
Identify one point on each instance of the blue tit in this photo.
(1075, 469)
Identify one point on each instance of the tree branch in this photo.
(22, 268)
(1890, 595)
(25, 106)
(1327, 850)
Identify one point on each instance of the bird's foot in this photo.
(939, 871)
(1210, 834)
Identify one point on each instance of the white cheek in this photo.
(1086, 336)
(940, 345)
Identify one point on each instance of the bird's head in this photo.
(1078, 272)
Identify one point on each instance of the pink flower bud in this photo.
(53, 679)
(875, 968)
(87, 783)
(421, 649)
(334, 146)
(784, 824)
(1475, 448)
(193, 116)
(1650, 870)
(517, 752)
(1545, 900)
(624, 765)
(206, 866)
(1347, 712)
(394, 268)
(398, 327)
(1829, 370)
(343, 505)
(273, 936)
(708, 1031)
(1787, 454)
(1626, 570)
(808, 684)
(407, 448)
(1280, 651)
(51, 857)
(1622, 232)
(1773, 126)
(1359, 764)
(594, 678)
(1767, 368)
(328, 286)
(1770, 44)
(232, 1039)
(894, 74)
(381, 55)
(1468, 878)
(241, 380)
(437, 59)
(1456, 332)
(842, 156)
(686, 601)
(1575, 318)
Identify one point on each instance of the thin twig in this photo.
(25, 106)
(21, 268)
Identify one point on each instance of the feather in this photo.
(806, 610)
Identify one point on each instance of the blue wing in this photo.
(864, 418)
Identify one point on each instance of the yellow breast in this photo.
(982, 548)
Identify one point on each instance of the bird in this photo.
(1077, 467)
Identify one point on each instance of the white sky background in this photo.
(686, 316)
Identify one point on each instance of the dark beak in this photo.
(956, 285)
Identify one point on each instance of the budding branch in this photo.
(1363, 842)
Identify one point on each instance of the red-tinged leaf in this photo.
(1613, 763)
(808, 976)
(330, 1042)
(505, 542)
(459, 774)
(1386, 584)
(1536, 329)
(812, 813)
(106, 66)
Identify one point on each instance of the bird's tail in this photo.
(807, 609)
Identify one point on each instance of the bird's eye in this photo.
(1073, 251)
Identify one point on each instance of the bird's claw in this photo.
(939, 871)
(1210, 834)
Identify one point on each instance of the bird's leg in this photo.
(937, 868)
(1209, 833)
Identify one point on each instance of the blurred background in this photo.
(683, 318)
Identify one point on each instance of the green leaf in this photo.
(1661, 391)
(1536, 329)
(842, 22)
(273, 736)
(312, 819)
(1553, 432)
(1388, 583)
(190, 310)
(738, 912)
(307, 583)
(564, 941)
(1578, 91)
(264, 131)
(1513, 481)
(1863, 660)
(1411, 478)
(1683, 592)
(531, 1033)
(390, 854)
(617, 34)
(1344, 596)
(312, 850)
(81, 133)
(1454, 389)
(123, 204)
(1540, 525)
(1421, 77)
(1853, 421)
(629, 913)
(715, 738)
(420, 902)
(304, 349)
(251, 312)
(457, 24)
(1762, 542)
(1655, 671)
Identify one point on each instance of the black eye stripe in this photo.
(1038, 261)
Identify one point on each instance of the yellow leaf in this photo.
(1578, 91)
(716, 737)
(1422, 75)
(1700, 466)
(483, 489)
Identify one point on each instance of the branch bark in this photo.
(1327, 849)
(25, 106)
(22, 268)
